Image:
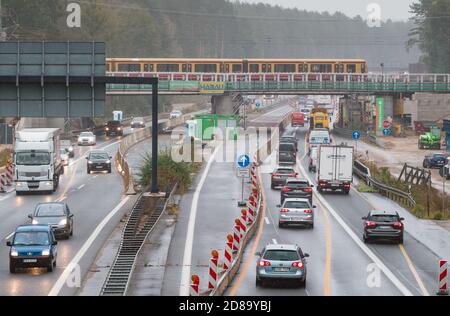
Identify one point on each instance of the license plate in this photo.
(281, 269)
(385, 227)
(29, 260)
(98, 167)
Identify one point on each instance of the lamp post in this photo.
(382, 69)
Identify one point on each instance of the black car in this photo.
(55, 214)
(280, 175)
(114, 128)
(290, 139)
(436, 160)
(287, 154)
(297, 188)
(383, 225)
(98, 160)
(138, 122)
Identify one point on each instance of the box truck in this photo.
(37, 160)
(335, 170)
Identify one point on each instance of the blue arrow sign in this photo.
(258, 104)
(356, 135)
(386, 132)
(243, 161)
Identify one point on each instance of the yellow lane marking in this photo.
(414, 271)
(237, 283)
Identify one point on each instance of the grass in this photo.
(364, 188)
(421, 194)
(4, 155)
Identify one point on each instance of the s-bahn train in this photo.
(216, 65)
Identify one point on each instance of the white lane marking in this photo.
(81, 186)
(9, 236)
(187, 257)
(69, 269)
(267, 220)
(274, 241)
(387, 272)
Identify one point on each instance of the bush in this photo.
(438, 216)
(4, 155)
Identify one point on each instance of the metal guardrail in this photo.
(133, 237)
(394, 194)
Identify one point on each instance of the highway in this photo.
(339, 264)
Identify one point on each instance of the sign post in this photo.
(356, 135)
(243, 171)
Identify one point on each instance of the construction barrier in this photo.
(213, 270)
(443, 278)
(236, 237)
(228, 253)
(195, 285)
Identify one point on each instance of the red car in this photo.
(298, 119)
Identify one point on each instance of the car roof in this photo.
(297, 180)
(33, 228)
(281, 247)
(384, 212)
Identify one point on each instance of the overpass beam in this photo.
(222, 104)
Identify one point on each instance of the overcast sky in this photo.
(390, 9)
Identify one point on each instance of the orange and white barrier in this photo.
(251, 215)
(2, 182)
(228, 253)
(194, 288)
(236, 237)
(213, 270)
(9, 173)
(244, 221)
(443, 278)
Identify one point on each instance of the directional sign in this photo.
(243, 161)
(356, 135)
(386, 132)
(258, 104)
(243, 173)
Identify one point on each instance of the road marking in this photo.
(414, 271)
(69, 269)
(81, 186)
(9, 236)
(274, 241)
(266, 219)
(240, 278)
(187, 257)
(387, 272)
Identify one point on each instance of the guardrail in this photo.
(394, 194)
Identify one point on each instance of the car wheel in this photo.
(311, 226)
(365, 239)
(280, 225)
(88, 171)
(71, 232)
(50, 267)
(18, 193)
(400, 240)
(109, 170)
(258, 282)
(12, 267)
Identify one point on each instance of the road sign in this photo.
(386, 132)
(356, 135)
(386, 124)
(243, 173)
(243, 161)
(258, 104)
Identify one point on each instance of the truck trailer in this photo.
(37, 160)
(335, 170)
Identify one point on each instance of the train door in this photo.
(245, 65)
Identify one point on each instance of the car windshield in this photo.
(281, 255)
(86, 135)
(285, 171)
(114, 123)
(297, 185)
(439, 156)
(31, 239)
(296, 204)
(32, 159)
(138, 119)
(49, 210)
(286, 147)
(98, 156)
(384, 218)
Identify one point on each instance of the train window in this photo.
(284, 68)
(130, 67)
(324, 68)
(222, 68)
(363, 68)
(108, 67)
(206, 68)
(236, 68)
(254, 68)
(148, 67)
(351, 68)
(227, 68)
(303, 68)
(167, 68)
(267, 68)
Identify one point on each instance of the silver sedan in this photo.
(296, 211)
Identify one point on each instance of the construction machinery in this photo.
(430, 140)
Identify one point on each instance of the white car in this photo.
(175, 114)
(87, 139)
(64, 156)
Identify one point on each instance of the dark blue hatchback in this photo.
(436, 160)
(32, 246)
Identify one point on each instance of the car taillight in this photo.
(284, 210)
(370, 224)
(308, 211)
(298, 264)
(274, 174)
(285, 189)
(347, 185)
(293, 175)
(398, 225)
(264, 263)
(307, 190)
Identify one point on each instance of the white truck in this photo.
(335, 169)
(37, 160)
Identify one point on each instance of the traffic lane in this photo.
(80, 193)
(273, 116)
(353, 207)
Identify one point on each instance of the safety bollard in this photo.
(443, 278)
(251, 215)
(228, 253)
(236, 237)
(194, 288)
(213, 270)
(244, 216)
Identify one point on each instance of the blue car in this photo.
(32, 246)
(436, 160)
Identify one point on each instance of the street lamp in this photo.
(382, 69)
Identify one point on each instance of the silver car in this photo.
(296, 211)
(281, 262)
(87, 138)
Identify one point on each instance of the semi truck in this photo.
(335, 169)
(37, 160)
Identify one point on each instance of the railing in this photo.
(394, 194)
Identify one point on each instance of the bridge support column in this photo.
(222, 104)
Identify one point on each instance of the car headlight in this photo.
(63, 222)
(90, 162)
(14, 253)
(108, 161)
(46, 252)
(119, 129)
(107, 128)
(70, 149)
(34, 222)
(79, 140)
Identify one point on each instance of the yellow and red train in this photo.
(220, 65)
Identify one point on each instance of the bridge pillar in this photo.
(222, 104)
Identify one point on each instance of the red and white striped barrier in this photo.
(9, 173)
(236, 237)
(2, 183)
(243, 222)
(195, 285)
(251, 215)
(213, 270)
(228, 253)
(443, 278)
